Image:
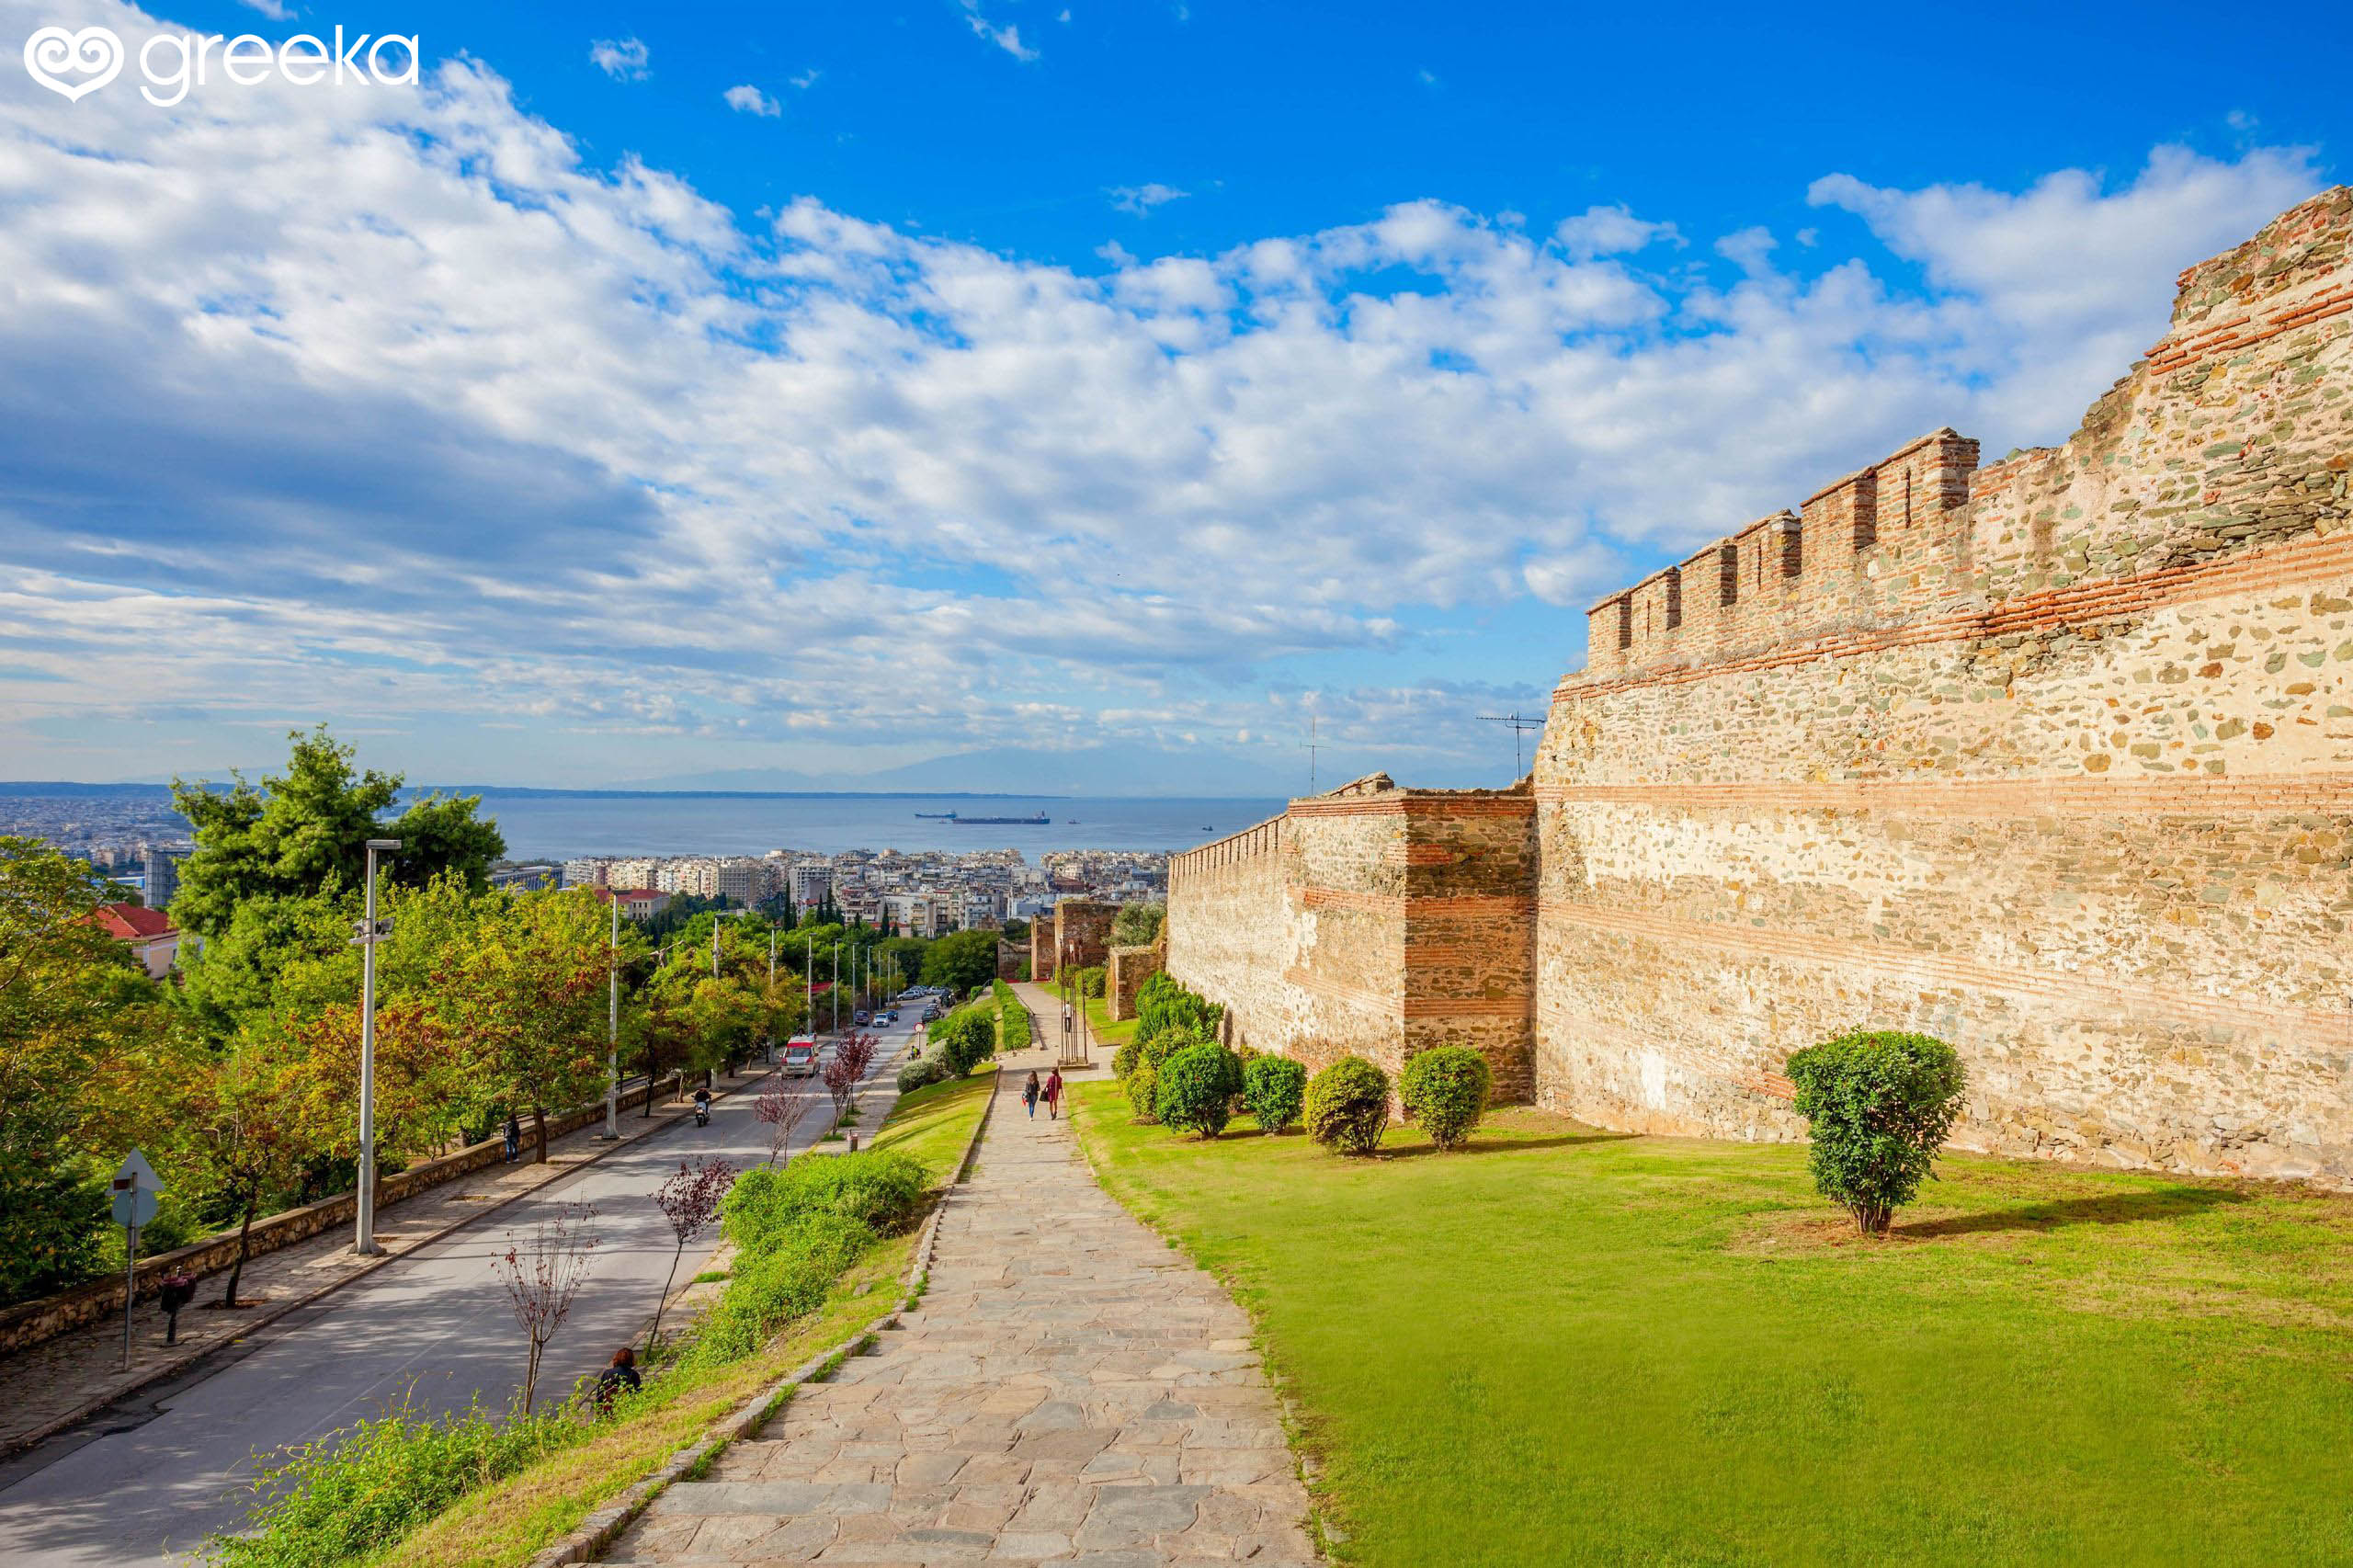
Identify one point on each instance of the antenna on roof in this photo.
(1520, 727)
(1310, 746)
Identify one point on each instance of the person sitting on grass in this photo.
(617, 1379)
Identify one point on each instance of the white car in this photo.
(800, 1055)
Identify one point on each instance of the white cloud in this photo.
(1007, 38)
(806, 79)
(624, 59)
(441, 424)
(1611, 230)
(1140, 199)
(748, 99)
(276, 10)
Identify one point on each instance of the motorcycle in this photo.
(702, 1111)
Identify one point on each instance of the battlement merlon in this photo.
(1784, 575)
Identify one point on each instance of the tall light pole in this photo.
(371, 931)
(613, 1026)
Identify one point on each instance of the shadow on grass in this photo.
(1508, 1145)
(2111, 1208)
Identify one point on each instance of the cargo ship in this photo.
(1041, 820)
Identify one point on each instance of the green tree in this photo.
(525, 990)
(87, 1053)
(1138, 925)
(306, 831)
(963, 961)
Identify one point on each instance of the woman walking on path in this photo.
(514, 1137)
(1053, 1094)
(1030, 1094)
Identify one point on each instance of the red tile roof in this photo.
(135, 922)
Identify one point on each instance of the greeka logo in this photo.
(75, 64)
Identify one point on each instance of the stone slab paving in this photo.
(1069, 1390)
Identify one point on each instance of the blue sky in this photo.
(666, 390)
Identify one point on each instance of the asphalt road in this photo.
(147, 1481)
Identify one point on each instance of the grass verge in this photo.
(1567, 1345)
(503, 1523)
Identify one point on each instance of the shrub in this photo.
(349, 1494)
(1162, 1004)
(788, 1277)
(922, 1073)
(1013, 1020)
(1274, 1087)
(1445, 1089)
(1196, 1088)
(1158, 1046)
(1348, 1105)
(1144, 1092)
(1880, 1103)
(1089, 982)
(1243, 1056)
(880, 1189)
(1125, 1060)
(965, 1038)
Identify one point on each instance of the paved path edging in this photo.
(601, 1529)
(200, 1353)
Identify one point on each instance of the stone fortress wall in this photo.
(2051, 758)
(1371, 920)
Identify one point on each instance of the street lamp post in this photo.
(371, 932)
(613, 1026)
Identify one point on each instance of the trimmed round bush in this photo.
(1125, 1060)
(1196, 1088)
(1445, 1090)
(1348, 1105)
(1274, 1087)
(1143, 1093)
(922, 1074)
(1880, 1103)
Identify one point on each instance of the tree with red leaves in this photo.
(689, 1200)
(542, 1272)
(848, 1068)
(780, 1111)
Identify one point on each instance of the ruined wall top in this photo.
(1926, 528)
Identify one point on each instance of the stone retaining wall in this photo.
(29, 1322)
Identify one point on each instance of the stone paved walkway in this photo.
(1070, 1390)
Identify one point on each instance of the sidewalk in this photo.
(1069, 1390)
(48, 1386)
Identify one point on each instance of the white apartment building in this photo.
(745, 882)
(628, 874)
(811, 884)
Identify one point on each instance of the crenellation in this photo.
(2052, 757)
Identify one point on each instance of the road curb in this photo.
(20, 1444)
(588, 1540)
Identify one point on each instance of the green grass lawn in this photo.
(1567, 1346)
(1110, 1035)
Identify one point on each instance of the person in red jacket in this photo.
(1053, 1094)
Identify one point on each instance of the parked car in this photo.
(801, 1057)
(859, 1016)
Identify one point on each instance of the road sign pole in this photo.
(130, 1288)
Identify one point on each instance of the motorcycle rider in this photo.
(703, 1107)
